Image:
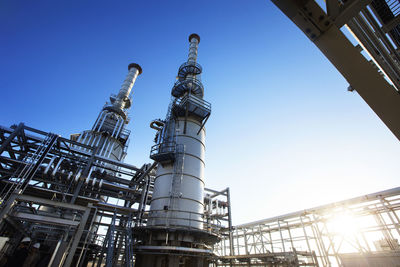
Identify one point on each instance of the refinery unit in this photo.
(85, 206)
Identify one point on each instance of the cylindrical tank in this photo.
(178, 188)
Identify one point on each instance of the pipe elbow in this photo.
(157, 125)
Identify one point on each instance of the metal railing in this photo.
(163, 148)
(194, 100)
(192, 85)
(189, 68)
(183, 219)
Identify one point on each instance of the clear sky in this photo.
(284, 133)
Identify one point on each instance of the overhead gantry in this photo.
(375, 25)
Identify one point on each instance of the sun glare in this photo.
(343, 224)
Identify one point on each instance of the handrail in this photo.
(165, 147)
(194, 99)
(191, 217)
(181, 86)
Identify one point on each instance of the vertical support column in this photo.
(261, 239)
(305, 234)
(321, 241)
(245, 241)
(77, 237)
(280, 232)
(58, 253)
(290, 235)
(270, 239)
(228, 196)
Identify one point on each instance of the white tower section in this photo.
(177, 199)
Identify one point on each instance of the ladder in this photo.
(177, 177)
(129, 261)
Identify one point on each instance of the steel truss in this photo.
(375, 24)
(80, 206)
(331, 235)
(60, 193)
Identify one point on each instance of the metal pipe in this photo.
(49, 165)
(120, 129)
(77, 176)
(104, 151)
(115, 127)
(102, 122)
(194, 40)
(111, 148)
(92, 139)
(97, 120)
(102, 147)
(98, 140)
(122, 99)
(86, 135)
(157, 125)
(57, 166)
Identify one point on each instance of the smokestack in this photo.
(122, 100)
(194, 40)
(108, 132)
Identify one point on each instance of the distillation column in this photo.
(176, 232)
(108, 133)
(178, 188)
(110, 138)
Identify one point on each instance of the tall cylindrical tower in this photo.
(176, 223)
(109, 132)
(179, 184)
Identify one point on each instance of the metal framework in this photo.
(363, 230)
(79, 205)
(82, 205)
(73, 201)
(375, 24)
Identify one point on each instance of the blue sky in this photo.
(284, 133)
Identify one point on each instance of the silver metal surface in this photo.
(181, 203)
(178, 196)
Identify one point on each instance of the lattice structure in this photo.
(62, 194)
(353, 230)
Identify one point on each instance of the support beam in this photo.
(7, 142)
(391, 24)
(349, 11)
(77, 237)
(47, 202)
(360, 74)
(44, 219)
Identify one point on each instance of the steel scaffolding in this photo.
(355, 230)
(59, 192)
(79, 205)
